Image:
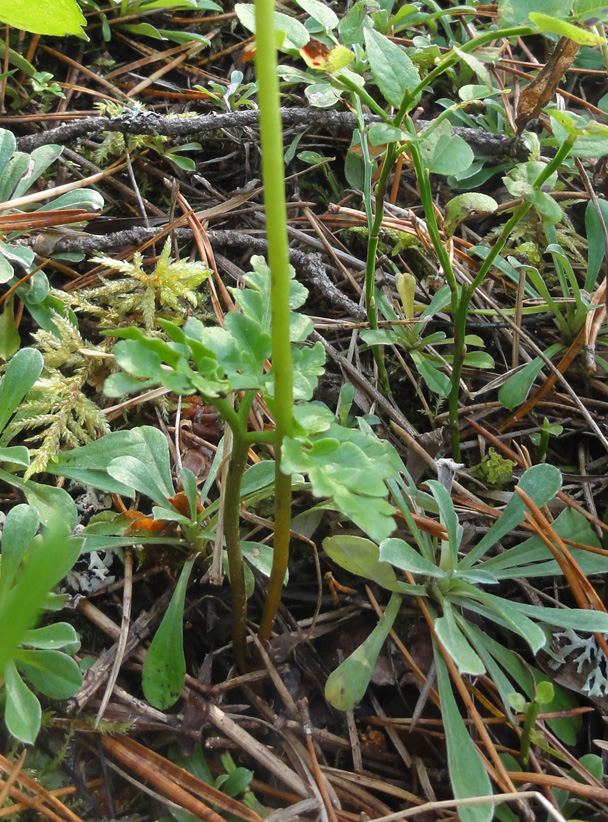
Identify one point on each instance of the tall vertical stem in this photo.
(273, 177)
(232, 502)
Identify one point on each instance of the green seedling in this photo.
(544, 695)
(233, 96)
(541, 439)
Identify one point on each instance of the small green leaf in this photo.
(391, 68)
(476, 65)
(352, 25)
(17, 454)
(360, 556)
(49, 501)
(165, 665)
(9, 333)
(541, 482)
(583, 37)
(53, 673)
(465, 206)
(297, 34)
(456, 644)
(444, 152)
(403, 556)
(20, 528)
(515, 12)
(21, 373)
(438, 382)
(595, 238)
(449, 520)
(515, 390)
(260, 556)
(22, 713)
(382, 133)
(52, 637)
(348, 683)
(56, 17)
(319, 12)
(545, 692)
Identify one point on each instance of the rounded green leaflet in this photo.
(53, 673)
(470, 204)
(22, 713)
(57, 17)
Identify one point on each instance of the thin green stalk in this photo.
(362, 95)
(467, 292)
(374, 223)
(273, 177)
(451, 58)
(426, 196)
(232, 504)
(370, 263)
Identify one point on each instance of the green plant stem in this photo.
(273, 177)
(530, 714)
(451, 58)
(374, 224)
(370, 262)
(467, 292)
(364, 97)
(232, 502)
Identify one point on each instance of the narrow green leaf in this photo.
(541, 482)
(21, 373)
(456, 644)
(595, 238)
(165, 665)
(448, 518)
(467, 773)
(9, 333)
(578, 619)
(514, 618)
(438, 382)
(583, 37)
(348, 683)
(403, 556)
